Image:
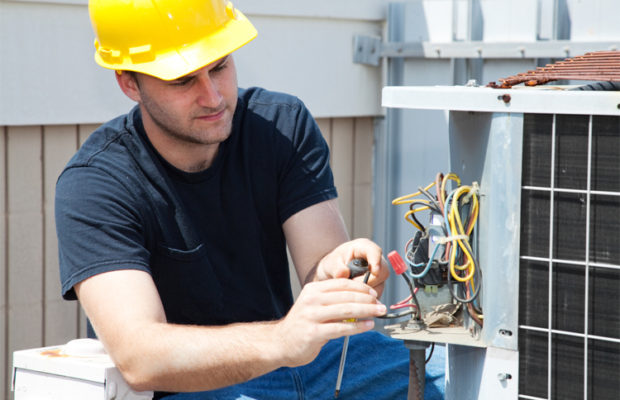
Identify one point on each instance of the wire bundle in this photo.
(459, 211)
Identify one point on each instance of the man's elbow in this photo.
(138, 376)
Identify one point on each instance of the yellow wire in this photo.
(450, 176)
(407, 198)
(454, 220)
(456, 228)
(411, 220)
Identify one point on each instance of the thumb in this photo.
(342, 272)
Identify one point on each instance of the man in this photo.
(173, 220)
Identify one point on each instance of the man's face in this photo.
(196, 109)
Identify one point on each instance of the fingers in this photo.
(339, 299)
(320, 314)
(367, 296)
(339, 285)
(346, 312)
(334, 264)
(339, 329)
(378, 276)
(364, 248)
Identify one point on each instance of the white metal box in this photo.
(79, 370)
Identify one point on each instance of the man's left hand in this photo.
(334, 264)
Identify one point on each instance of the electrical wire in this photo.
(405, 300)
(416, 311)
(429, 264)
(407, 198)
(428, 358)
(398, 306)
(460, 209)
(455, 229)
(438, 180)
(444, 182)
(470, 297)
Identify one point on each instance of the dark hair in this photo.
(134, 76)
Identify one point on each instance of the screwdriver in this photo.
(357, 266)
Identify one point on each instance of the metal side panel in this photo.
(482, 374)
(486, 148)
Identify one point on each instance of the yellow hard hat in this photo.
(166, 38)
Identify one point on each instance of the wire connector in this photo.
(398, 264)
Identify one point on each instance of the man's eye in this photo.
(220, 67)
(181, 82)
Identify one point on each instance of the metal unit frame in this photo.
(370, 50)
(486, 137)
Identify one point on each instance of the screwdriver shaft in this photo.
(343, 359)
(343, 356)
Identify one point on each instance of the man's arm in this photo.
(126, 312)
(128, 317)
(318, 243)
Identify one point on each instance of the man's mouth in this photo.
(212, 117)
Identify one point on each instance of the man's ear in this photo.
(128, 84)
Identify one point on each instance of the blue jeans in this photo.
(377, 368)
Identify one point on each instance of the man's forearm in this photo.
(166, 357)
(311, 275)
(154, 355)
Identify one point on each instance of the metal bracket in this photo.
(366, 50)
(369, 50)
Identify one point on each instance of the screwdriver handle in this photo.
(357, 266)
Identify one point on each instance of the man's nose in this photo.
(209, 95)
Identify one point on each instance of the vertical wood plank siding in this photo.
(25, 238)
(59, 144)
(32, 312)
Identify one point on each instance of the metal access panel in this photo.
(548, 164)
(486, 148)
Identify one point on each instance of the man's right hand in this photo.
(320, 314)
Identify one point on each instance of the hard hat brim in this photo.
(179, 62)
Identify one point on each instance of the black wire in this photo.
(417, 221)
(417, 311)
(410, 251)
(432, 205)
(387, 316)
(401, 314)
(413, 296)
(431, 198)
(428, 358)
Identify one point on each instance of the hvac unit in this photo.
(547, 163)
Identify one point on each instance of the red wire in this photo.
(405, 302)
(397, 306)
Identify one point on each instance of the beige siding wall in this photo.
(32, 313)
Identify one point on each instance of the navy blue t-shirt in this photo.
(213, 240)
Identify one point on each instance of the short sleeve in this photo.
(98, 226)
(306, 177)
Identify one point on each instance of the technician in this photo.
(173, 222)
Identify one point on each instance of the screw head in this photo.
(504, 376)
